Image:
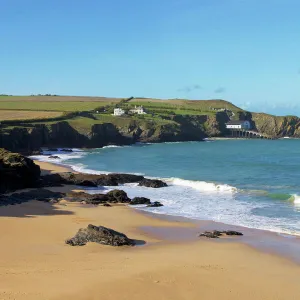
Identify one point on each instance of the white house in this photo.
(119, 112)
(138, 110)
(238, 125)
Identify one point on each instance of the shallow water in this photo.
(252, 183)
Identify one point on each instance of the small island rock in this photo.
(139, 201)
(155, 204)
(153, 183)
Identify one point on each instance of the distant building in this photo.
(238, 125)
(138, 110)
(119, 112)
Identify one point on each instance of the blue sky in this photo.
(244, 51)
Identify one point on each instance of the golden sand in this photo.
(35, 263)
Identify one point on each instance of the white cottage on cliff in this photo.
(119, 112)
(138, 110)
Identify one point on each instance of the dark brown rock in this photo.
(216, 234)
(90, 179)
(155, 204)
(100, 235)
(140, 200)
(153, 183)
(87, 198)
(36, 194)
(117, 196)
(17, 171)
(230, 232)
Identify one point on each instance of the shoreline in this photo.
(69, 168)
(259, 239)
(34, 258)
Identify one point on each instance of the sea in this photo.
(251, 183)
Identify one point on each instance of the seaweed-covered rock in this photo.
(231, 232)
(153, 183)
(17, 171)
(90, 180)
(216, 234)
(87, 198)
(155, 204)
(117, 196)
(140, 200)
(36, 194)
(100, 235)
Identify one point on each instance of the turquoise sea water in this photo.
(252, 183)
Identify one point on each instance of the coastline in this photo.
(34, 258)
(285, 245)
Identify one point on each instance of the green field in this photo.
(51, 106)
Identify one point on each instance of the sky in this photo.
(243, 51)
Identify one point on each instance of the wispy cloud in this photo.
(220, 90)
(190, 88)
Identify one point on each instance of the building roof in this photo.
(236, 122)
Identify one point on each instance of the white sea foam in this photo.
(113, 146)
(296, 199)
(62, 156)
(203, 185)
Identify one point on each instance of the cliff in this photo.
(276, 126)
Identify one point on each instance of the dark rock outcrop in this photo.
(155, 204)
(231, 232)
(216, 234)
(87, 198)
(54, 157)
(36, 194)
(140, 200)
(153, 183)
(17, 171)
(114, 196)
(98, 180)
(100, 235)
(117, 196)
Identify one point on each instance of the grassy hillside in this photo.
(80, 113)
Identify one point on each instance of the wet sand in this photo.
(35, 263)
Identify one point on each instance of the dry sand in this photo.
(47, 168)
(35, 263)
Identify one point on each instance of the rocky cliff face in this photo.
(29, 138)
(276, 126)
(62, 134)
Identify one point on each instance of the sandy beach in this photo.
(35, 263)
